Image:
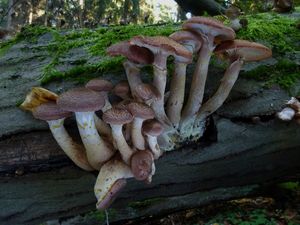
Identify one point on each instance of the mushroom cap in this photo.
(122, 89)
(50, 111)
(122, 104)
(117, 116)
(147, 92)
(249, 51)
(134, 53)
(141, 164)
(185, 37)
(80, 100)
(116, 188)
(211, 26)
(141, 110)
(163, 45)
(152, 128)
(99, 85)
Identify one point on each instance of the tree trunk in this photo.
(198, 7)
(234, 158)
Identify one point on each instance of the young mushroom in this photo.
(162, 47)
(152, 129)
(211, 31)
(122, 90)
(147, 93)
(84, 102)
(177, 87)
(55, 117)
(110, 181)
(102, 87)
(117, 117)
(142, 165)
(136, 58)
(238, 52)
(140, 112)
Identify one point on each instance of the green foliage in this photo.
(292, 186)
(285, 73)
(277, 32)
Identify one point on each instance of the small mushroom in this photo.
(142, 165)
(141, 112)
(110, 181)
(117, 117)
(136, 58)
(211, 31)
(84, 102)
(122, 90)
(147, 93)
(55, 117)
(162, 47)
(238, 52)
(152, 129)
(177, 87)
(102, 87)
(286, 114)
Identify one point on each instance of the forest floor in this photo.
(281, 207)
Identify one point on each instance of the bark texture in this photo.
(237, 155)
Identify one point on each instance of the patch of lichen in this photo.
(99, 216)
(285, 73)
(274, 30)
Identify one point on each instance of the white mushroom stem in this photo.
(198, 81)
(176, 98)
(107, 104)
(160, 81)
(73, 150)
(109, 174)
(136, 133)
(286, 114)
(102, 127)
(124, 149)
(96, 149)
(227, 82)
(153, 145)
(133, 76)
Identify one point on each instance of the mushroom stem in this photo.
(73, 150)
(176, 98)
(160, 81)
(153, 145)
(96, 149)
(101, 126)
(124, 149)
(133, 76)
(110, 181)
(107, 104)
(198, 81)
(227, 82)
(136, 133)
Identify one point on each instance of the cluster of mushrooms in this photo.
(122, 139)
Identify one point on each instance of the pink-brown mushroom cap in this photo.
(99, 85)
(117, 116)
(153, 128)
(134, 53)
(248, 51)
(206, 25)
(50, 111)
(187, 38)
(141, 164)
(141, 110)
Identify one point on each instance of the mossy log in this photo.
(244, 147)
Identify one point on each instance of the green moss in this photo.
(291, 186)
(285, 73)
(277, 32)
(145, 203)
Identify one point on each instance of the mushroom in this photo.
(122, 90)
(152, 129)
(110, 181)
(286, 114)
(116, 117)
(102, 87)
(136, 58)
(162, 47)
(147, 93)
(177, 86)
(211, 31)
(84, 102)
(141, 112)
(142, 165)
(55, 117)
(238, 52)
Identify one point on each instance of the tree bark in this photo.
(198, 7)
